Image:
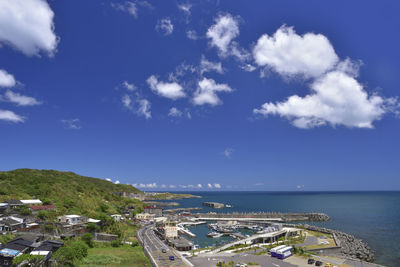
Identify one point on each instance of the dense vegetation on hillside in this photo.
(71, 193)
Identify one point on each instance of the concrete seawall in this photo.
(284, 217)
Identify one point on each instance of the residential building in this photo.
(36, 209)
(144, 216)
(157, 211)
(31, 202)
(72, 219)
(170, 229)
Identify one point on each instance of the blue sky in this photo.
(203, 95)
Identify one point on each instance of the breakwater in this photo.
(350, 246)
(284, 217)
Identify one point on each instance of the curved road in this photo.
(154, 246)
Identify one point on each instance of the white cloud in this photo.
(336, 98)
(151, 185)
(217, 185)
(144, 108)
(116, 182)
(7, 115)
(192, 35)
(199, 186)
(208, 66)
(248, 67)
(127, 101)
(71, 124)
(20, 100)
(225, 29)
(6, 79)
(174, 112)
(140, 106)
(128, 7)
(299, 186)
(28, 26)
(169, 90)
(163, 186)
(228, 152)
(206, 92)
(290, 54)
(108, 179)
(172, 186)
(129, 86)
(165, 25)
(185, 8)
(209, 186)
(222, 35)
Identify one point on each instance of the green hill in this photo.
(71, 193)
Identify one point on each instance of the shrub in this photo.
(32, 260)
(92, 227)
(42, 214)
(88, 239)
(135, 243)
(64, 256)
(80, 249)
(116, 243)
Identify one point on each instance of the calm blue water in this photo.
(372, 216)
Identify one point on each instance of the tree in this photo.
(64, 256)
(28, 259)
(92, 227)
(42, 214)
(88, 239)
(80, 249)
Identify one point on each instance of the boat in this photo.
(228, 206)
(214, 234)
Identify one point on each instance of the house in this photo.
(36, 209)
(180, 244)
(11, 223)
(14, 248)
(144, 216)
(170, 229)
(72, 219)
(13, 203)
(46, 248)
(31, 202)
(157, 211)
(90, 220)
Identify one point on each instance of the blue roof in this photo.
(9, 252)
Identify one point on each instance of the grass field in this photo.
(120, 256)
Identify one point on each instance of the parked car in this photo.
(171, 258)
(164, 250)
(318, 263)
(310, 261)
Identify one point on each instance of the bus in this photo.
(284, 253)
(275, 249)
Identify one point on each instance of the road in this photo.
(212, 260)
(154, 247)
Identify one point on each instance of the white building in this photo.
(31, 202)
(72, 219)
(170, 229)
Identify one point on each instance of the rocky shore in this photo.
(350, 246)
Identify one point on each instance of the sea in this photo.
(371, 216)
